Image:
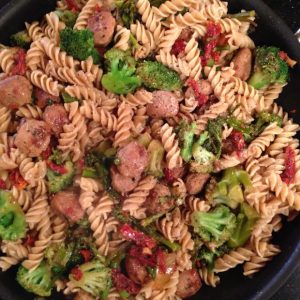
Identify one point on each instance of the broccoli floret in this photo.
(95, 278)
(269, 68)
(12, 218)
(78, 43)
(157, 76)
(246, 220)
(266, 117)
(58, 182)
(215, 226)
(121, 78)
(204, 159)
(156, 152)
(56, 157)
(67, 16)
(38, 281)
(21, 39)
(127, 11)
(229, 190)
(186, 136)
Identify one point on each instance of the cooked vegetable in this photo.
(156, 152)
(214, 226)
(93, 277)
(12, 218)
(57, 182)
(246, 220)
(79, 44)
(120, 78)
(67, 16)
(127, 11)
(186, 137)
(38, 281)
(269, 68)
(229, 190)
(21, 39)
(156, 76)
(208, 256)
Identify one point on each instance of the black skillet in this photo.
(271, 31)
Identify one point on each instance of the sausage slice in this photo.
(243, 63)
(102, 24)
(135, 270)
(189, 283)
(165, 104)
(195, 182)
(15, 91)
(133, 158)
(67, 204)
(43, 98)
(33, 137)
(121, 183)
(56, 117)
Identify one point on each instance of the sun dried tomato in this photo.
(86, 254)
(56, 168)
(123, 283)
(72, 5)
(288, 175)
(138, 237)
(45, 154)
(178, 47)
(283, 55)
(213, 30)
(30, 238)
(235, 142)
(17, 179)
(200, 97)
(2, 184)
(161, 261)
(20, 60)
(77, 273)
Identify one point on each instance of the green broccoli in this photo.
(121, 78)
(57, 157)
(157, 76)
(246, 220)
(269, 68)
(67, 16)
(95, 278)
(186, 136)
(229, 190)
(58, 182)
(12, 218)
(215, 226)
(127, 11)
(204, 159)
(21, 39)
(39, 281)
(78, 43)
(156, 152)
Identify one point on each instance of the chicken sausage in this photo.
(102, 24)
(136, 271)
(43, 98)
(67, 204)
(56, 117)
(243, 63)
(121, 183)
(15, 91)
(165, 104)
(205, 88)
(159, 200)
(33, 137)
(189, 283)
(195, 182)
(133, 158)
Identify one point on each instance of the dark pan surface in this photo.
(271, 31)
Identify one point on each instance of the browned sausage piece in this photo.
(135, 270)
(56, 117)
(165, 104)
(82, 295)
(43, 98)
(195, 182)
(243, 63)
(133, 158)
(15, 91)
(205, 88)
(67, 204)
(189, 283)
(33, 137)
(121, 183)
(159, 200)
(102, 24)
